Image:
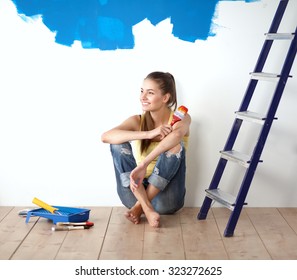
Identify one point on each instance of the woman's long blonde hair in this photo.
(166, 84)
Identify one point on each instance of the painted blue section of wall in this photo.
(107, 24)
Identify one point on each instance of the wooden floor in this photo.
(261, 233)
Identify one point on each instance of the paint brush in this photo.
(89, 224)
(179, 114)
(63, 228)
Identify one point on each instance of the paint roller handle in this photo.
(45, 205)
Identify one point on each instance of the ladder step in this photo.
(279, 36)
(264, 76)
(250, 116)
(224, 198)
(237, 157)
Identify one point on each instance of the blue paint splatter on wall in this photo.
(107, 24)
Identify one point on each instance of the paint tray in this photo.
(65, 214)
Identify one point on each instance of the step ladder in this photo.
(250, 162)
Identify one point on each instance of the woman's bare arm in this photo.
(126, 131)
(180, 130)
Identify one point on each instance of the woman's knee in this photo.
(123, 149)
(168, 209)
(175, 150)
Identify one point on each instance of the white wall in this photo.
(55, 102)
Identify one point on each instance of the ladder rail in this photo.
(266, 121)
(244, 188)
(285, 74)
(213, 185)
(258, 68)
(243, 107)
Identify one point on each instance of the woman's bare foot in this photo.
(134, 214)
(153, 218)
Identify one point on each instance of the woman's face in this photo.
(151, 96)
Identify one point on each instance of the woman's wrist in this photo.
(144, 163)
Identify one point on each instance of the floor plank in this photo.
(290, 215)
(13, 230)
(279, 238)
(202, 240)
(4, 211)
(42, 243)
(86, 244)
(123, 239)
(245, 243)
(165, 242)
(261, 233)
